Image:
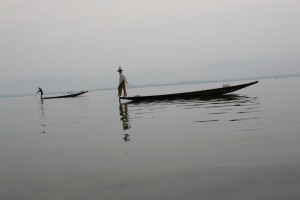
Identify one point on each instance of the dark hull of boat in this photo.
(66, 96)
(190, 95)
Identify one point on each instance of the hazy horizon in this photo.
(53, 42)
(70, 84)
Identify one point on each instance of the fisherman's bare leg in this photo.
(120, 90)
(124, 88)
(125, 92)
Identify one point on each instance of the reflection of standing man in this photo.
(122, 83)
(40, 91)
(124, 116)
(126, 137)
(125, 119)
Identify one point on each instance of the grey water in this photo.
(242, 146)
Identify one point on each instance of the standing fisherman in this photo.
(122, 83)
(41, 91)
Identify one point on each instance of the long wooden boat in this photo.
(66, 96)
(190, 95)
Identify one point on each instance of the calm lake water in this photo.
(243, 146)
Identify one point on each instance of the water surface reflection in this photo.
(124, 116)
(231, 108)
(42, 114)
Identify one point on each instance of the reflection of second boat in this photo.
(224, 101)
(229, 108)
(226, 104)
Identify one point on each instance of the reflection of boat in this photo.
(66, 96)
(190, 95)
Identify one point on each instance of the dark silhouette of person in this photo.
(40, 91)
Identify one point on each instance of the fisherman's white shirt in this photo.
(122, 78)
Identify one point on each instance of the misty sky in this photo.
(44, 42)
